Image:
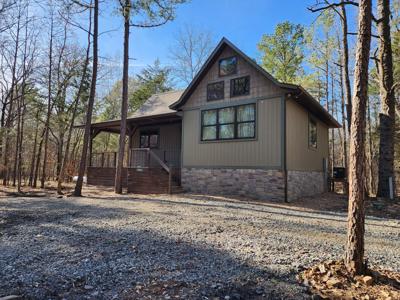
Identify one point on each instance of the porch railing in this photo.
(104, 160)
(143, 158)
(148, 158)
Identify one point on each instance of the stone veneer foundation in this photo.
(254, 183)
(305, 183)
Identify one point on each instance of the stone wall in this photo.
(303, 183)
(254, 183)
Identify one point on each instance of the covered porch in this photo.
(152, 159)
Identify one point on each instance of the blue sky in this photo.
(241, 21)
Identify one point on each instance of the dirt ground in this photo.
(107, 246)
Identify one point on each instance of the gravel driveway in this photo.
(171, 247)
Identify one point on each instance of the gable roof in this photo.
(299, 93)
(157, 104)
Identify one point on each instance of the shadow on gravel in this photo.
(56, 254)
(264, 207)
(41, 211)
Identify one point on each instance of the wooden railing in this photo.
(148, 158)
(103, 160)
(141, 158)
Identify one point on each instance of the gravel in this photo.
(171, 247)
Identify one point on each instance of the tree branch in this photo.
(332, 5)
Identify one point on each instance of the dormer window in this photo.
(215, 91)
(228, 66)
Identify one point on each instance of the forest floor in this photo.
(107, 246)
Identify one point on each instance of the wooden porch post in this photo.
(90, 148)
(129, 145)
(93, 134)
(131, 132)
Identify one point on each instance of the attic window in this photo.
(215, 91)
(240, 86)
(227, 66)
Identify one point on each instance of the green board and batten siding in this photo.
(265, 151)
(300, 157)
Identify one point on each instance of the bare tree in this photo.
(190, 50)
(156, 13)
(346, 75)
(49, 99)
(74, 110)
(12, 95)
(354, 254)
(89, 112)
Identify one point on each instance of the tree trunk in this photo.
(333, 113)
(124, 106)
(47, 123)
(74, 112)
(387, 115)
(17, 142)
(9, 120)
(21, 136)
(344, 144)
(346, 74)
(371, 164)
(92, 94)
(32, 168)
(354, 255)
(39, 154)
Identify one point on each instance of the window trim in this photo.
(311, 119)
(235, 123)
(225, 58)
(231, 86)
(223, 90)
(149, 132)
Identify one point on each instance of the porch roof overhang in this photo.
(114, 126)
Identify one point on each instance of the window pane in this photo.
(215, 91)
(209, 117)
(209, 133)
(312, 133)
(226, 115)
(227, 66)
(153, 141)
(144, 141)
(246, 130)
(246, 113)
(240, 86)
(227, 131)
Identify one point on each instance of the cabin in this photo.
(235, 130)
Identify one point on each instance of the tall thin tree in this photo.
(124, 105)
(386, 91)
(92, 94)
(354, 254)
(154, 13)
(49, 100)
